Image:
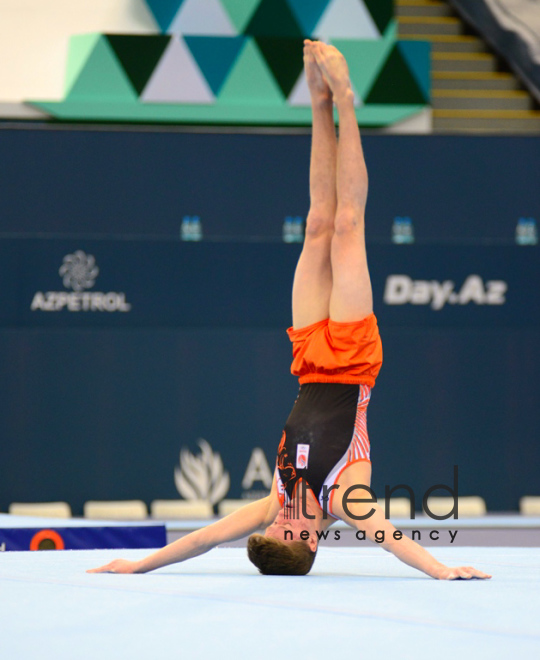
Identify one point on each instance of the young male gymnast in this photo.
(337, 355)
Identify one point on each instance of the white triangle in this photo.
(300, 96)
(202, 17)
(177, 78)
(346, 19)
(300, 93)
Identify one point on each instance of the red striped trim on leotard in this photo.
(359, 449)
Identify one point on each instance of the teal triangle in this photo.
(308, 12)
(102, 77)
(417, 55)
(215, 56)
(164, 11)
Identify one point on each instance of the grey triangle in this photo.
(177, 78)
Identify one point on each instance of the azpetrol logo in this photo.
(79, 272)
(402, 290)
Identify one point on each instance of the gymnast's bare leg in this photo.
(312, 285)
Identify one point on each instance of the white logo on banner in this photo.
(79, 272)
(201, 477)
(401, 289)
(257, 470)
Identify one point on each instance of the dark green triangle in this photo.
(284, 57)
(273, 18)
(139, 55)
(382, 12)
(395, 83)
(417, 56)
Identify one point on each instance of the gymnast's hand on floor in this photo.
(460, 573)
(117, 566)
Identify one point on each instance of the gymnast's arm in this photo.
(404, 548)
(410, 552)
(241, 523)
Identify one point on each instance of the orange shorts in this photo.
(331, 352)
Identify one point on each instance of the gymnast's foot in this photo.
(318, 87)
(334, 70)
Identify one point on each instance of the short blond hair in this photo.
(273, 557)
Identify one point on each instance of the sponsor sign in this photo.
(79, 272)
(402, 290)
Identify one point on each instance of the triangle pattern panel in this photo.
(365, 58)
(215, 73)
(202, 17)
(284, 57)
(215, 56)
(102, 78)
(250, 81)
(395, 83)
(240, 11)
(177, 78)
(164, 11)
(346, 19)
(274, 18)
(139, 55)
(382, 12)
(80, 48)
(417, 56)
(308, 13)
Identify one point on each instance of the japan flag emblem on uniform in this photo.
(302, 455)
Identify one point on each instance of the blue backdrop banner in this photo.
(142, 183)
(134, 365)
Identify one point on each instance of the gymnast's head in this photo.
(282, 550)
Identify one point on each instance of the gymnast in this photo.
(324, 450)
